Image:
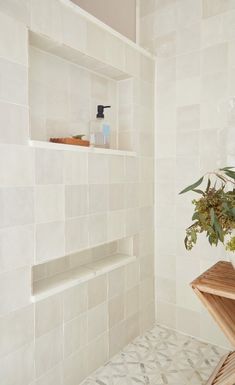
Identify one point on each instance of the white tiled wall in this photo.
(193, 41)
(54, 203)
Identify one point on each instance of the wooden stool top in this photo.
(218, 280)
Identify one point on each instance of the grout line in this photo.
(25, 106)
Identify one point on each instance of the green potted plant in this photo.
(214, 210)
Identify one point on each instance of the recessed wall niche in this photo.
(63, 98)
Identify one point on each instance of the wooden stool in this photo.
(224, 373)
(216, 289)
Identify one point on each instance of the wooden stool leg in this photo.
(224, 373)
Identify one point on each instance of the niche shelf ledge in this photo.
(49, 286)
(68, 147)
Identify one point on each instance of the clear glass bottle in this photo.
(100, 129)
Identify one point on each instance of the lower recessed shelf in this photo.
(49, 286)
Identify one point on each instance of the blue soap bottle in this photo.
(100, 129)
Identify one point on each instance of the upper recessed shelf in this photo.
(75, 56)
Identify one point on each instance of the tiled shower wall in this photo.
(195, 48)
(63, 338)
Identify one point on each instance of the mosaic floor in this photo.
(160, 356)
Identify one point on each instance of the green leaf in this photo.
(222, 178)
(193, 186)
(233, 211)
(195, 216)
(219, 230)
(210, 230)
(226, 168)
(210, 240)
(202, 218)
(225, 206)
(198, 191)
(194, 236)
(212, 216)
(231, 174)
(227, 210)
(208, 184)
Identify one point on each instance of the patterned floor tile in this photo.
(160, 357)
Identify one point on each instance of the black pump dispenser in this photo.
(100, 111)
